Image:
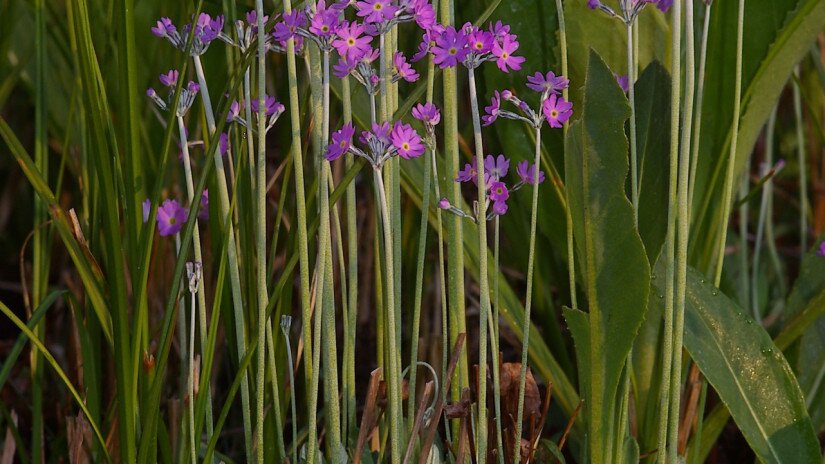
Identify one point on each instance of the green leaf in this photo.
(653, 135)
(749, 373)
(608, 246)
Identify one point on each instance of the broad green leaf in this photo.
(750, 375)
(653, 135)
(608, 246)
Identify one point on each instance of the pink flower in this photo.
(499, 192)
(492, 110)
(557, 111)
(170, 79)
(504, 54)
(403, 70)
(549, 83)
(427, 113)
(350, 44)
(341, 142)
(450, 48)
(376, 11)
(171, 218)
(407, 141)
(527, 173)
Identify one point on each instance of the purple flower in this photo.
(170, 78)
(403, 70)
(492, 110)
(821, 250)
(504, 53)
(288, 28)
(407, 141)
(664, 5)
(223, 143)
(450, 48)
(324, 22)
(252, 20)
(527, 173)
(234, 111)
(593, 4)
(428, 41)
(480, 42)
(207, 28)
(171, 218)
(499, 192)
(467, 174)
(444, 203)
(343, 68)
(376, 11)
(496, 166)
(193, 87)
(424, 14)
(164, 28)
(341, 142)
(427, 113)
(203, 212)
(499, 208)
(147, 208)
(549, 83)
(557, 111)
(350, 44)
(623, 81)
(271, 106)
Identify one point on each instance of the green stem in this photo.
(697, 116)
(525, 344)
(668, 349)
(300, 202)
(394, 374)
(285, 324)
(260, 237)
(631, 94)
(764, 219)
(190, 378)
(276, 394)
(803, 166)
(232, 255)
(198, 252)
(683, 213)
(728, 187)
(483, 280)
(496, 341)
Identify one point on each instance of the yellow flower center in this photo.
(554, 113)
(405, 146)
(378, 7)
(453, 51)
(351, 41)
(504, 55)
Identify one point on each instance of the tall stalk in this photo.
(683, 215)
(300, 202)
(531, 258)
(198, 253)
(803, 166)
(496, 342)
(697, 112)
(190, 371)
(631, 94)
(670, 349)
(483, 280)
(260, 236)
(728, 186)
(232, 256)
(454, 226)
(764, 218)
(393, 391)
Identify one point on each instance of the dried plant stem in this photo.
(232, 256)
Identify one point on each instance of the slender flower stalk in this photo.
(276, 393)
(764, 218)
(260, 238)
(193, 274)
(495, 336)
(700, 93)
(803, 166)
(484, 284)
(683, 220)
(671, 351)
(286, 323)
(631, 95)
(232, 255)
(531, 251)
(728, 187)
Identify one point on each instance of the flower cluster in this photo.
(430, 116)
(172, 215)
(496, 169)
(471, 46)
(206, 29)
(553, 107)
(170, 81)
(382, 142)
(246, 32)
(629, 9)
(272, 109)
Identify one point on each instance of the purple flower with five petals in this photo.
(450, 48)
(271, 106)
(376, 11)
(496, 166)
(527, 173)
(492, 110)
(549, 83)
(341, 142)
(404, 70)
(350, 44)
(171, 218)
(499, 192)
(504, 53)
(557, 111)
(427, 113)
(170, 79)
(164, 28)
(407, 141)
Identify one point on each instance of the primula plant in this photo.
(402, 231)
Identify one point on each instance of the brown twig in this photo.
(419, 419)
(570, 425)
(369, 412)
